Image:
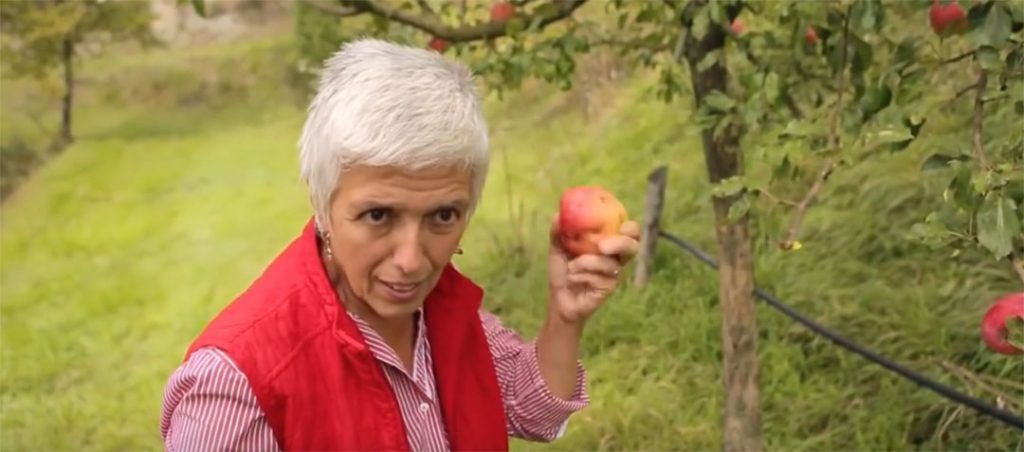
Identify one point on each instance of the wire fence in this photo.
(981, 406)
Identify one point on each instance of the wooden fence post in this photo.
(652, 217)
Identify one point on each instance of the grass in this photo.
(117, 252)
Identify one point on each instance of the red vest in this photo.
(316, 380)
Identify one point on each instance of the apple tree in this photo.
(786, 93)
(42, 35)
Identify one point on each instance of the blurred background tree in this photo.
(40, 36)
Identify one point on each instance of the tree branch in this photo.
(776, 199)
(632, 44)
(993, 99)
(426, 7)
(963, 91)
(336, 10)
(833, 144)
(962, 56)
(435, 27)
(979, 117)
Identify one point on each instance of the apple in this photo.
(738, 26)
(993, 325)
(947, 17)
(438, 44)
(586, 215)
(502, 11)
(811, 36)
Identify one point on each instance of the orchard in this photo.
(787, 93)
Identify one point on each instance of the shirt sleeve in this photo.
(532, 412)
(209, 405)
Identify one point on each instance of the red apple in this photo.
(502, 11)
(947, 17)
(586, 215)
(811, 36)
(738, 26)
(438, 44)
(993, 325)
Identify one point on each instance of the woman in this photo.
(361, 334)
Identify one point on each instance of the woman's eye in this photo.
(376, 215)
(446, 216)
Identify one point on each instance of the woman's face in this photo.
(392, 233)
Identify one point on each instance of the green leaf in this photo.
(515, 26)
(889, 134)
(998, 224)
(200, 7)
(648, 14)
(716, 13)
(739, 208)
(866, 15)
(772, 87)
(874, 100)
(905, 51)
(960, 187)
(1015, 60)
(863, 55)
(700, 24)
(549, 9)
(709, 60)
(381, 23)
(995, 29)
(929, 232)
(1017, 11)
(940, 161)
(803, 128)
(728, 187)
(980, 182)
(988, 57)
(719, 101)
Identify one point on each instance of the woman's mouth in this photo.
(400, 291)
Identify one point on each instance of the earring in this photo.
(327, 246)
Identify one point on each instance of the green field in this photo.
(183, 185)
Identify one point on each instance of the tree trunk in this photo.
(742, 417)
(65, 136)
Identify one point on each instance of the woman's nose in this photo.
(409, 253)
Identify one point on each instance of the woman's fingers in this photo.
(622, 246)
(593, 263)
(594, 281)
(630, 229)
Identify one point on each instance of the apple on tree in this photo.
(438, 44)
(502, 11)
(811, 36)
(993, 325)
(738, 26)
(947, 17)
(586, 215)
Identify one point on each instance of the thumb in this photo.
(555, 243)
(558, 260)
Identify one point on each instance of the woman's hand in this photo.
(579, 286)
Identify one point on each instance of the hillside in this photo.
(183, 185)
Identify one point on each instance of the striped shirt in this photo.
(209, 405)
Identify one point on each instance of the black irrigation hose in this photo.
(943, 390)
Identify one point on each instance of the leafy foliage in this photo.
(817, 87)
(34, 30)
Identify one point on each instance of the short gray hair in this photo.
(384, 104)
